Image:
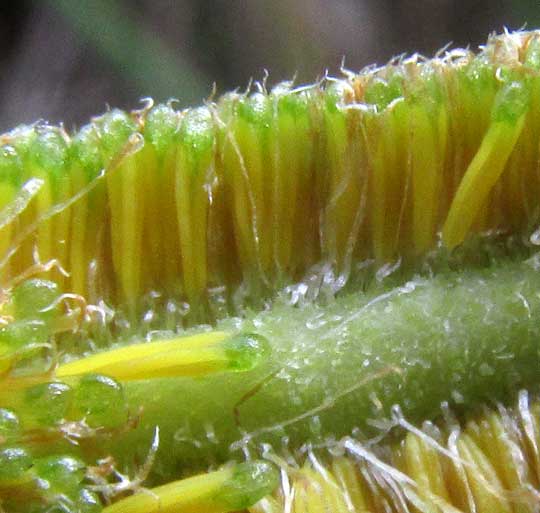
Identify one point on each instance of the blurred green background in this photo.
(66, 60)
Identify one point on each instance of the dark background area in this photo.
(66, 60)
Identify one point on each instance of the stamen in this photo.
(508, 118)
(230, 489)
(195, 355)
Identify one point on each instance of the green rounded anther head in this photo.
(246, 351)
(382, 93)
(34, 299)
(63, 473)
(14, 462)
(9, 423)
(85, 151)
(88, 501)
(48, 403)
(161, 127)
(250, 482)
(100, 401)
(114, 128)
(10, 166)
(511, 102)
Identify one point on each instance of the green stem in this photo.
(463, 338)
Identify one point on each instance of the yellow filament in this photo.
(346, 475)
(183, 356)
(45, 237)
(427, 162)
(192, 495)
(389, 182)
(78, 248)
(7, 194)
(480, 177)
(127, 206)
(192, 215)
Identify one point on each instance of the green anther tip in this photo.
(511, 102)
(246, 351)
(382, 93)
(88, 502)
(295, 105)
(34, 298)
(115, 129)
(85, 151)
(48, 149)
(251, 481)
(197, 132)
(22, 334)
(10, 165)
(14, 461)
(532, 57)
(161, 127)
(21, 137)
(48, 402)
(100, 401)
(63, 473)
(9, 423)
(255, 109)
(479, 75)
(427, 88)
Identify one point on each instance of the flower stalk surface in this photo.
(317, 298)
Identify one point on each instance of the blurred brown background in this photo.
(65, 60)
